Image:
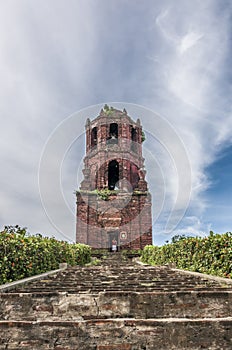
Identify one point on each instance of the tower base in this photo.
(121, 217)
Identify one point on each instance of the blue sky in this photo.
(59, 58)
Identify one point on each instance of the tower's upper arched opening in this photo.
(94, 137)
(113, 133)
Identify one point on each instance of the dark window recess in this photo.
(113, 174)
(94, 137)
(113, 134)
(134, 139)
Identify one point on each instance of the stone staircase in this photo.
(118, 305)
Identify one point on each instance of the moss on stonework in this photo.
(143, 137)
(105, 193)
(108, 110)
(140, 192)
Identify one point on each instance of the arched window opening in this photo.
(113, 134)
(113, 174)
(94, 137)
(134, 139)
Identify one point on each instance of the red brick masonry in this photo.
(114, 162)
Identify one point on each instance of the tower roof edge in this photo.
(111, 114)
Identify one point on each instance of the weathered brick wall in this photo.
(116, 334)
(98, 155)
(146, 305)
(96, 218)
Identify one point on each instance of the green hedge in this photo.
(211, 255)
(22, 255)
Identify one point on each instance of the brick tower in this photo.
(113, 202)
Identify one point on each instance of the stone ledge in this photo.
(119, 321)
(204, 275)
(15, 284)
(193, 273)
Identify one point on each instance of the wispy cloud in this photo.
(192, 56)
(189, 40)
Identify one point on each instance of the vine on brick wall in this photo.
(105, 193)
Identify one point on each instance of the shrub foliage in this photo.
(22, 255)
(210, 255)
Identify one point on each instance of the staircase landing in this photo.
(119, 304)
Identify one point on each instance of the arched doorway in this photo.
(113, 240)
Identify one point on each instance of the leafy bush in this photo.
(211, 255)
(22, 255)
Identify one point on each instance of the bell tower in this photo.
(113, 202)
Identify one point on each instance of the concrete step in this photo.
(123, 334)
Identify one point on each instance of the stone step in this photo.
(54, 306)
(113, 288)
(122, 334)
(118, 305)
(96, 279)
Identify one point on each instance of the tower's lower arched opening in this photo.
(113, 174)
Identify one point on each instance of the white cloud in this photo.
(189, 40)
